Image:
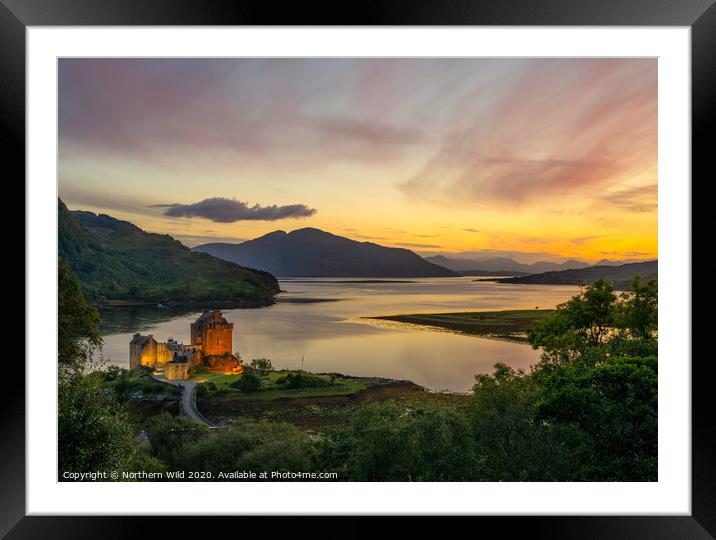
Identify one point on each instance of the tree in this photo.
(248, 446)
(92, 434)
(248, 382)
(93, 431)
(639, 312)
(262, 366)
(578, 324)
(615, 405)
(599, 376)
(512, 444)
(77, 324)
(168, 434)
(395, 442)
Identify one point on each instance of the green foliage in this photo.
(638, 311)
(77, 324)
(577, 324)
(262, 366)
(126, 383)
(248, 382)
(395, 442)
(587, 412)
(169, 434)
(599, 320)
(116, 260)
(93, 433)
(614, 404)
(301, 379)
(513, 444)
(261, 446)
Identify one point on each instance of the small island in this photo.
(511, 325)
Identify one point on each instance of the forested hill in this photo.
(620, 276)
(117, 261)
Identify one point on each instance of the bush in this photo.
(255, 447)
(262, 366)
(94, 432)
(391, 442)
(248, 382)
(302, 380)
(168, 434)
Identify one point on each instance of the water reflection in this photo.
(332, 336)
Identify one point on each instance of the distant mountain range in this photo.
(620, 276)
(311, 252)
(117, 261)
(506, 265)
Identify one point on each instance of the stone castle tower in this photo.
(212, 334)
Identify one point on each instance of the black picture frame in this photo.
(699, 15)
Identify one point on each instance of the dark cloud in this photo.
(222, 210)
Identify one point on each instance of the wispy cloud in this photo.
(553, 132)
(635, 199)
(419, 246)
(222, 210)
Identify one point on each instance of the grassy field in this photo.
(510, 324)
(319, 412)
(272, 390)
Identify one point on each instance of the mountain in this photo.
(501, 265)
(117, 261)
(312, 252)
(620, 276)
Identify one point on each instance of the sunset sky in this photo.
(540, 159)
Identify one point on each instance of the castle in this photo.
(211, 335)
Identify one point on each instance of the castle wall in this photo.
(176, 371)
(143, 354)
(135, 356)
(211, 335)
(218, 339)
(164, 354)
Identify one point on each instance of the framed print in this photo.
(420, 262)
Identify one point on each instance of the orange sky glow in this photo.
(534, 158)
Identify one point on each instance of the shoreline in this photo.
(505, 325)
(118, 305)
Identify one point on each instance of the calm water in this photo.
(332, 336)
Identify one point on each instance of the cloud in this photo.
(636, 254)
(639, 199)
(222, 210)
(371, 132)
(160, 111)
(555, 129)
(412, 245)
(582, 240)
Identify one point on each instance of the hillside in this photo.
(314, 253)
(117, 261)
(501, 265)
(620, 276)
